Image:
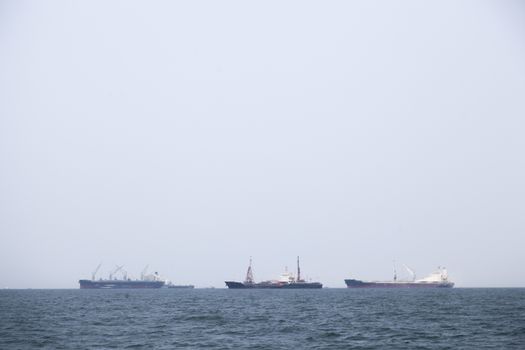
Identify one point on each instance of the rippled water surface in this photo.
(263, 319)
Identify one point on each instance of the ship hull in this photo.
(118, 284)
(352, 283)
(263, 285)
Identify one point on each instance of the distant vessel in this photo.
(437, 279)
(285, 281)
(179, 286)
(146, 281)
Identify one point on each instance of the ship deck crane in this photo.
(411, 272)
(124, 274)
(249, 273)
(143, 273)
(95, 272)
(117, 269)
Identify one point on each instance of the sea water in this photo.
(263, 319)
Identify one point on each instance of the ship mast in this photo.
(298, 271)
(249, 273)
(395, 273)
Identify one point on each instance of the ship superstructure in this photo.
(285, 281)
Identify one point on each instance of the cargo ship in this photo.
(146, 281)
(437, 279)
(285, 281)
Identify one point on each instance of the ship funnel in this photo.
(444, 274)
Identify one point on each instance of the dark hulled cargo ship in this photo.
(285, 281)
(120, 284)
(437, 279)
(146, 281)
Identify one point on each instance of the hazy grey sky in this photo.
(192, 135)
